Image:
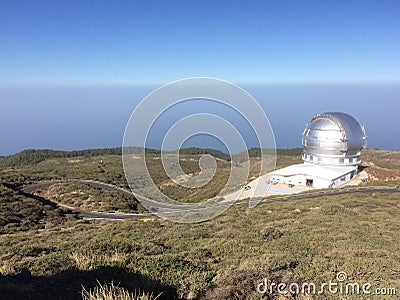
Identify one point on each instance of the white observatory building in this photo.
(332, 148)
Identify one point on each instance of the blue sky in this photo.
(120, 42)
(71, 72)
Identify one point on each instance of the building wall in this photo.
(295, 179)
(332, 161)
(318, 183)
(342, 180)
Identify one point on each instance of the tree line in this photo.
(34, 156)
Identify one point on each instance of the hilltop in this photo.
(49, 252)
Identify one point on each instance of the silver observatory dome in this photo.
(334, 139)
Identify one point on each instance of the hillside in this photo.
(49, 253)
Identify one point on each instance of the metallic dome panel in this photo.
(333, 138)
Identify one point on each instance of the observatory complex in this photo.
(332, 148)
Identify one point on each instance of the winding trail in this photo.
(29, 190)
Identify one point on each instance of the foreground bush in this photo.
(114, 292)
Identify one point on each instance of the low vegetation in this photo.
(114, 292)
(20, 213)
(49, 253)
(87, 197)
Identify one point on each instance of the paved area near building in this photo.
(261, 187)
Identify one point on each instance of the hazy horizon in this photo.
(67, 118)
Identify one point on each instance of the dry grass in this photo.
(382, 158)
(114, 292)
(90, 260)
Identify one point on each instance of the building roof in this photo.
(320, 171)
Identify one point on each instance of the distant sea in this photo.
(72, 118)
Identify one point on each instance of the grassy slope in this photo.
(224, 258)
